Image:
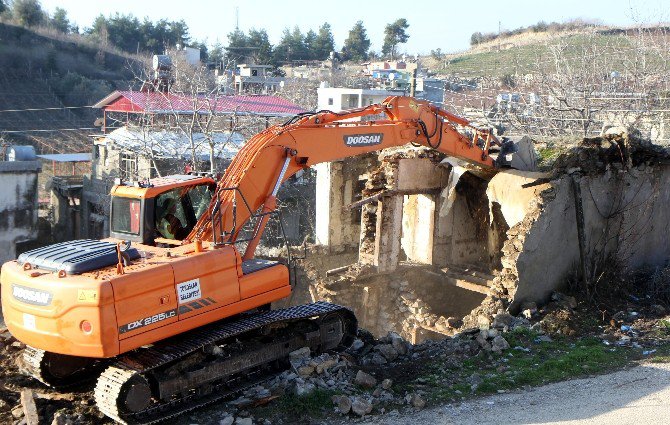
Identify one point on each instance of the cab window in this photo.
(178, 210)
(126, 215)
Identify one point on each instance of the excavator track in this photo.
(190, 371)
(59, 371)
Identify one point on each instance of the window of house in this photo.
(330, 101)
(128, 165)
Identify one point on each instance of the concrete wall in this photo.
(625, 214)
(18, 206)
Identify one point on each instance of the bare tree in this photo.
(587, 81)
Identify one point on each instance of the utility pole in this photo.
(412, 84)
(499, 32)
(237, 18)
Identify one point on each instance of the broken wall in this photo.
(338, 184)
(18, 206)
(614, 188)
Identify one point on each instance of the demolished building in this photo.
(428, 246)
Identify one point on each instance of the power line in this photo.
(45, 109)
(48, 130)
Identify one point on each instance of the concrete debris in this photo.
(61, 418)
(228, 420)
(388, 351)
(502, 321)
(365, 380)
(499, 344)
(343, 403)
(29, 407)
(299, 355)
(361, 406)
(415, 400)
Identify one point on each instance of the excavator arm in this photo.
(250, 184)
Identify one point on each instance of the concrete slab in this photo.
(507, 189)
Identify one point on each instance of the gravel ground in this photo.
(640, 395)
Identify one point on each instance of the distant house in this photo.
(256, 79)
(340, 98)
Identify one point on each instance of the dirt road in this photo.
(640, 395)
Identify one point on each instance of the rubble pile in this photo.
(24, 400)
(618, 148)
(376, 375)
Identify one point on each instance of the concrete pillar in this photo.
(322, 222)
(418, 227)
(330, 198)
(388, 233)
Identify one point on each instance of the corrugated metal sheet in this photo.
(67, 157)
(133, 101)
(173, 144)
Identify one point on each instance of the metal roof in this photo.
(156, 102)
(67, 157)
(176, 144)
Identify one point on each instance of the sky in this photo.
(434, 24)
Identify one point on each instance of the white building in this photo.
(256, 79)
(340, 98)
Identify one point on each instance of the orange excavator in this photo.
(167, 314)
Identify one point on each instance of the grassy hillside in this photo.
(530, 53)
(44, 69)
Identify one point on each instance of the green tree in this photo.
(204, 52)
(291, 46)
(357, 44)
(3, 6)
(28, 12)
(98, 29)
(395, 33)
(127, 33)
(60, 21)
(177, 33)
(124, 32)
(216, 53)
(261, 49)
(324, 43)
(309, 41)
(476, 38)
(238, 44)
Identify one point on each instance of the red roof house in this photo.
(170, 103)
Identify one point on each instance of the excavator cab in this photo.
(159, 211)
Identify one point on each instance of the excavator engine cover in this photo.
(75, 257)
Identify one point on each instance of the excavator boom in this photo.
(277, 153)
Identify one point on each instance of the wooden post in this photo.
(581, 237)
